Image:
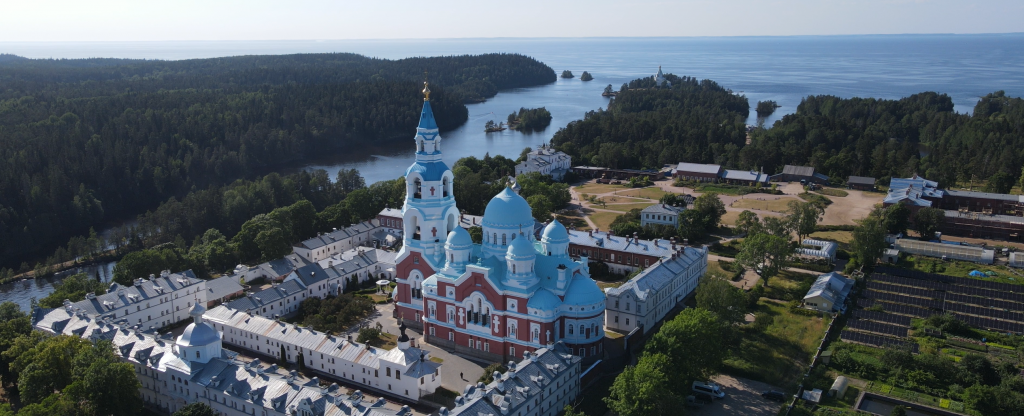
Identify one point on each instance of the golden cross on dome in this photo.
(426, 89)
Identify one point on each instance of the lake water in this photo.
(784, 69)
(22, 292)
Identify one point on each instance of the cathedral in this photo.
(498, 300)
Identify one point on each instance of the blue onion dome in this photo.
(544, 300)
(583, 291)
(508, 209)
(459, 239)
(521, 248)
(555, 232)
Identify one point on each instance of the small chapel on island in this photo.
(660, 81)
(498, 300)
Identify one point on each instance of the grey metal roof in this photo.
(391, 212)
(311, 274)
(798, 170)
(659, 275)
(322, 342)
(282, 266)
(516, 389)
(861, 180)
(745, 175)
(699, 168)
(603, 240)
(266, 296)
(912, 191)
(119, 296)
(663, 209)
(333, 236)
(222, 286)
(984, 195)
(833, 287)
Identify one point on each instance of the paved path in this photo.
(453, 364)
(743, 397)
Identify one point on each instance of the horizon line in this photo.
(523, 38)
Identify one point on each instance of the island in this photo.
(608, 92)
(529, 119)
(567, 74)
(766, 108)
(586, 76)
(490, 127)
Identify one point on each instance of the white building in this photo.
(363, 262)
(337, 241)
(661, 214)
(828, 293)
(148, 304)
(819, 249)
(276, 301)
(546, 161)
(405, 371)
(539, 385)
(660, 81)
(644, 300)
(195, 368)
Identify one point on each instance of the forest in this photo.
(530, 119)
(89, 141)
(702, 122)
(479, 180)
(645, 127)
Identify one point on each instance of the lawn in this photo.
(603, 219)
(650, 192)
(842, 237)
(599, 188)
(730, 218)
(627, 207)
(606, 285)
(958, 268)
(774, 205)
(717, 271)
(386, 341)
(914, 396)
(623, 199)
(832, 192)
(723, 189)
(788, 286)
(842, 403)
(780, 353)
(573, 221)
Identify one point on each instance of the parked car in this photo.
(773, 395)
(708, 388)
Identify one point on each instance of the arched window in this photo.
(570, 330)
(582, 329)
(197, 354)
(504, 240)
(495, 239)
(513, 269)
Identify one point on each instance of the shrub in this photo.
(488, 376)
(763, 320)
(815, 198)
(368, 334)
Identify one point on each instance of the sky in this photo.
(166, 20)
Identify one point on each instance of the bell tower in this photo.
(429, 212)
